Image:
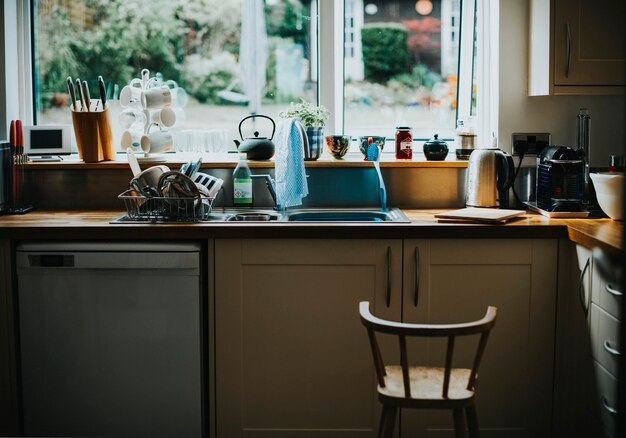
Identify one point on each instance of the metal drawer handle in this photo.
(568, 48)
(610, 349)
(612, 291)
(416, 292)
(581, 289)
(388, 297)
(608, 407)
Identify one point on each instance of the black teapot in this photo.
(257, 148)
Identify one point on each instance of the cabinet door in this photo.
(455, 281)
(589, 42)
(575, 410)
(292, 358)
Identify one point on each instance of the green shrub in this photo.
(204, 78)
(420, 76)
(385, 51)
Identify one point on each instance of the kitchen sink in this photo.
(346, 215)
(299, 215)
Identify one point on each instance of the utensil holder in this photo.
(93, 135)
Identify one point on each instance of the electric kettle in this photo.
(490, 175)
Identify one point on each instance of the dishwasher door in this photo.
(111, 339)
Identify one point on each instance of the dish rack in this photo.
(166, 209)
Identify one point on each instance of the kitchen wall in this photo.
(556, 114)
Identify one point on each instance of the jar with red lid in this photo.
(404, 143)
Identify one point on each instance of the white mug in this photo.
(157, 142)
(156, 97)
(130, 96)
(131, 139)
(162, 117)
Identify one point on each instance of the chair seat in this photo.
(426, 386)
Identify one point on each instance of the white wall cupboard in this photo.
(576, 47)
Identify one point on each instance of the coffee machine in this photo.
(560, 179)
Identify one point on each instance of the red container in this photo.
(404, 143)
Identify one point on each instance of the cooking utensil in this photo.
(79, 89)
(87, 96)
(257, 148)
(132, 162)
(70, 88)
(103, 93)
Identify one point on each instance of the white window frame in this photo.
(18, 65)
(484, 123)
(16, 73)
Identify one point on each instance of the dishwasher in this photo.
(112, 339)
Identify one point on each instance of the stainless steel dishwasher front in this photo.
(111, 339)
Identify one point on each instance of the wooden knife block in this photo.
(93, 136)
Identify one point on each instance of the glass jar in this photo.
(404, 143)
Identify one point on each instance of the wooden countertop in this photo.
(69, 225)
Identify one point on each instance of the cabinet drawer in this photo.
(607, 398)
(605, 339)
(605, 295)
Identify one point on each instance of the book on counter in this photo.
(479, 215)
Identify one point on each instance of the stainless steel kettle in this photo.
(490, 175)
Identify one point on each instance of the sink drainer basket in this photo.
(166, 209)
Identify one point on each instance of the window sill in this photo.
(229, 160)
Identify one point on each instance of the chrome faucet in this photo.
(271, 187)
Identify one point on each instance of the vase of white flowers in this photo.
(314, 119)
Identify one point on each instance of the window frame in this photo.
(16, 74)
(331, 69)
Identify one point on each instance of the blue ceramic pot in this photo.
(315, 135)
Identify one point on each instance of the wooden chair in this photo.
(404, 386)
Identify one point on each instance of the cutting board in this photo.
(489, 215)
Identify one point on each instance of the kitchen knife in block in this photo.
(93, 135)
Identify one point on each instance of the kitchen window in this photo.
(321, 51)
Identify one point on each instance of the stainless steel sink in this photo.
(336, 215)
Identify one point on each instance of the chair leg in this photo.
(390, 421)
(459, 423)
(472, 421)
(383, 419)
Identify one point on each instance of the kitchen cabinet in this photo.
(576, 410)
(604, 330)
(449, 280)
(291, 355)
(576, 47)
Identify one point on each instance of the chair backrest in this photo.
(402, 330)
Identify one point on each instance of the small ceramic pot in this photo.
(315, 135)
(435, 149)
(337, 145)
(380, 141)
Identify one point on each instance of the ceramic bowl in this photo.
(380, 141)
(609, 188)
(337, 145)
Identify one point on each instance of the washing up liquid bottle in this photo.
(242, 183)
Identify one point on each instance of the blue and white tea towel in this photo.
(291, 184)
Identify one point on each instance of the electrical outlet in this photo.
(526, 143)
